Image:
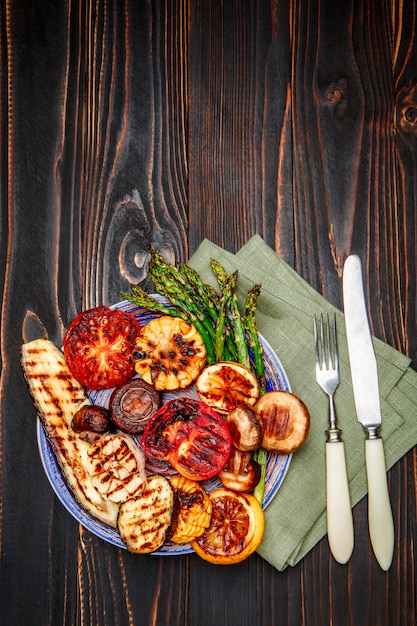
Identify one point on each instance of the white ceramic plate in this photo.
(277, 465)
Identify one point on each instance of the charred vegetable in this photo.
(117, 467)
(98, 347)
(190, 436)
(285, 421)
(245, 428)
(241, 472)
(228, 284)
(90, 422)
(194, 510)
(169, 353)
(144, 521)
(133, 404)
(57, 396)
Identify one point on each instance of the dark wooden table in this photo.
(125, 123)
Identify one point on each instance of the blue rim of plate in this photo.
(277, 464)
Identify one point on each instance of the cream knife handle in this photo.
(339, 510)
(381, 525)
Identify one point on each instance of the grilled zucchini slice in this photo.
(144, 521)
(117, 467)
(57, 395)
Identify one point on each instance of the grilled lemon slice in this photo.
(169, 353)
(236, 528)
(224, 385)
(194, 510)
(144, 521)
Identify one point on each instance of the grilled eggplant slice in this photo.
(144, 521)
(169, 353)
(117, 467)
(57, 396)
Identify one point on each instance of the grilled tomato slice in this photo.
(98, 347)
(224, 385)
(169, 353)
(189, 435)
(236, 528)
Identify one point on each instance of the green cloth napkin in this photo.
(296, 517)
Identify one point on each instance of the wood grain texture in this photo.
(125, 124)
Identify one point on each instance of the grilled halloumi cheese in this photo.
(117, 467)
(144, 521)
(57, 396)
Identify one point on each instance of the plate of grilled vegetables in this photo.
(167, 420)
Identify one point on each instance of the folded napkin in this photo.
(296, 517)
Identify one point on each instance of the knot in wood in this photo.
(336, 91)
(333, 95)
(410, 115)
(407, 107)
(408, 119)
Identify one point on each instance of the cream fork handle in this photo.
(339, 511)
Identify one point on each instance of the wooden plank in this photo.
(239, 120)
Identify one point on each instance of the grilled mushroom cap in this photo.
(133, 404)
(245, 428)
(90, 422)
(285, 421)
(241, 472)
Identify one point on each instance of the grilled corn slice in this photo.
(194, 511)
(57, 395)
(169, 353)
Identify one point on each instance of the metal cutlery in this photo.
(364, 372)
(339, 511)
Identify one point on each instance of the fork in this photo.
(339, 511)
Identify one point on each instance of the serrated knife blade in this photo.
(364, 372)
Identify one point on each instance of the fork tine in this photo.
(325, 340)
(318, 341)
(325, 354)
(332, 349)
(335, 346)
(329, 345)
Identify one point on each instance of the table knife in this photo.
(364, 373)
